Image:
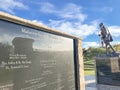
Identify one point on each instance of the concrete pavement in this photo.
(90, 83)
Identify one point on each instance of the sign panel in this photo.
(35, 60)
(108, 71)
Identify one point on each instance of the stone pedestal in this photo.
(108, 73)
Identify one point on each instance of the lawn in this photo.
(89, 72)
(89, 67)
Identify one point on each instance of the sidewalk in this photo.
(90, 83)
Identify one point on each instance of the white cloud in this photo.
(114, 30)
(115, 42)
(71, 19)
(70, 11)
(103, 10)
(75, 28)
(10, 5)
(47, 7)
(39, 22)
(5, 38)
(106, 9)
(90, 44)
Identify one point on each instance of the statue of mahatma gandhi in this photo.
(106, 38)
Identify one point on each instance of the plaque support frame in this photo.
(79, 68)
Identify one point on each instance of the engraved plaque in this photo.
(32, 59)
(108, 71)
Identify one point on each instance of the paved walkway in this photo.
(90, 83)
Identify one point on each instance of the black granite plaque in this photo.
(35, 60)
(108, 71)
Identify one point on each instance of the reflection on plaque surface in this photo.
(108, 71)
(35, 60)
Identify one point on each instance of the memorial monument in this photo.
(108, 64)
(35, 57)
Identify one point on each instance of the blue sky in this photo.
(77, 17)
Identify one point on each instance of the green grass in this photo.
(89, 54)
(89, 72)
(89, 64)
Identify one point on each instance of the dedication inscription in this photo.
(108, 71)
(35, 60)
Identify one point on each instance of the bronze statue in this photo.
(106, 38)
